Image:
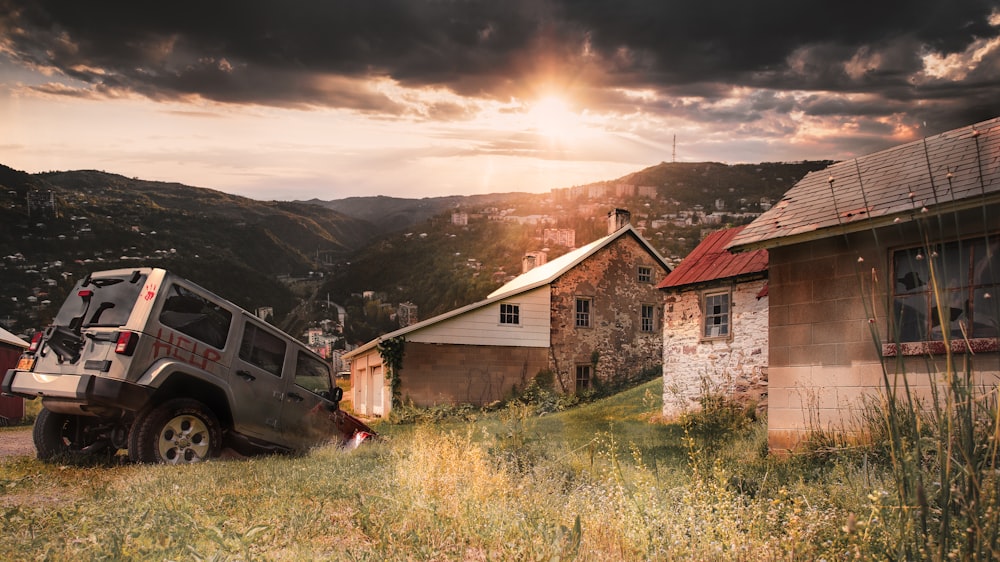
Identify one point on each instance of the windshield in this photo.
(109, 304)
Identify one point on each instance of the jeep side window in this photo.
(312, 374)
(196, 316)
(262, 349)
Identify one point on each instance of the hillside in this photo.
(88, 220)
(402, 250)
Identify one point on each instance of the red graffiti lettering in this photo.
(162, 348)
(183, 349)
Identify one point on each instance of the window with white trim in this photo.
(717, 315)
(510, 314)
(947, 290)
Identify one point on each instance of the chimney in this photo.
(617, 219)
(531, 260)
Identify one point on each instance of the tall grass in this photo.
(603, 481)
(941, 446)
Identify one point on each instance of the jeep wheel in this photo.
(179, 431)
(66, 435)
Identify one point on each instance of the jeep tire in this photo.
(178, 431)
(68, 437)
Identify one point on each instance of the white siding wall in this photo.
(482, 325)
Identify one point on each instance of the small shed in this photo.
(715, 326)
(11, 347)
(883, 270)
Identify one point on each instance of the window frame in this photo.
(962, 259)
(644, 271)
(727, 295)
(512, 316)
(643, 318)
(588, 370)
(586, 316)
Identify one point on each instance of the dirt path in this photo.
(16, 442)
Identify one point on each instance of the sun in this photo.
(553, 117)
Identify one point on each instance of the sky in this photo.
(328, 99)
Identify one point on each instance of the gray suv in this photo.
(143, 360)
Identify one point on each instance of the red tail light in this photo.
(36, 340)
(85, 293)
(126, 343)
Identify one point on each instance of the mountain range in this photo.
(55, 226)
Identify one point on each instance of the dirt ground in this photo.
(15, 442)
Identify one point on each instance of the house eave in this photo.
(869, 223)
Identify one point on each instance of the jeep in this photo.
(144, 360)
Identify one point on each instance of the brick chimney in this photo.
(617, 219)
(531, 260)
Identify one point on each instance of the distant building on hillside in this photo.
(41, 203)
(407, 314)
(559, 236)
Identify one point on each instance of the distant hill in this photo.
(403, 249)
(89, 220)
(690, 183)
(391, 214)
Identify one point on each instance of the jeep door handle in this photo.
(245, 375)
(296, 397)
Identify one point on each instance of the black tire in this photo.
(67, 437)
(178, 431)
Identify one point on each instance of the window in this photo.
(583, 313)
(262, 349)
(645, 274)
(717, 315)
(582, 377)
(510, 314)
(646, 318)
(968, 280)
(312, 374)
(196, 316)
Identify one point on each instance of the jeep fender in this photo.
(170, 378)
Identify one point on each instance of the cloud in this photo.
(730, 63)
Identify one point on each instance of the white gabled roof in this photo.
(10, 339)
(537, 277)
(549, 272)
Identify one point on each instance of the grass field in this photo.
(603, 481)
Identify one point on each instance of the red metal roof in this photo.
(711, 261)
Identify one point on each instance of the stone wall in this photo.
(614, 338)
(735, 367)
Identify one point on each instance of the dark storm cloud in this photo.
(321, 53)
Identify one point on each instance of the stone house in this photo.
(591, 314)
(715, 326)
(882, 269)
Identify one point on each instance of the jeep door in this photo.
(310, 417)
(256, 382)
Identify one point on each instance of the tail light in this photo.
(36, 340)
(126, 343)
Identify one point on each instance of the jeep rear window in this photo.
(109, 303)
